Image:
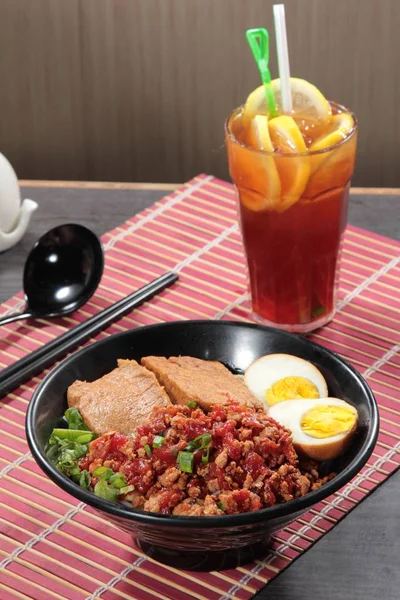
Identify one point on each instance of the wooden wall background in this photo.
(138, 90)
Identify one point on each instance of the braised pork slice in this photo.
(118, 401)
(187, 379)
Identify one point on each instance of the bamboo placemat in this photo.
(52, 546)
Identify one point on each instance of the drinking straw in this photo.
(258, 40)
(283, 57)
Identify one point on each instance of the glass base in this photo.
(297, 327)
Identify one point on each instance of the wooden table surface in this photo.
(359, 558)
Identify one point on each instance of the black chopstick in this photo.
(32, 364)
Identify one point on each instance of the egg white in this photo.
(289, 413)
(269, 369)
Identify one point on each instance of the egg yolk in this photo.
(289, 388)
(325, 421)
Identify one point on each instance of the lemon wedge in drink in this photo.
(286, 136)
(334, 167)
(259, 136)
(341, 126)
(258, 180)
(293, 170)
(308, 101)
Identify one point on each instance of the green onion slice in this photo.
(221, 506)
(52, 452)
(158, 441)
(205, 457)
(67, 445)
(192, 404)
(103, 490)
(205, 440)
(74, 472)
(185, 461)
(117, 480)
(148, 450)
(84, 479)
(199, 442)
(71, 435)
(103, 473)
(126, 489)
(74, 419)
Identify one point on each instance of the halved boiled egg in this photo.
(321, 428)
(277, 377)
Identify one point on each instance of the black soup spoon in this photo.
(61, 273)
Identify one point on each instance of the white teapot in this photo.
(14, 217)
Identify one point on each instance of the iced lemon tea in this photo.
(292, 174)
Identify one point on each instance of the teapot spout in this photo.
(9, 239)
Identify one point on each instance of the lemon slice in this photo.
(256, 104)
(259, 134)
(293, 170)
(340, 128)
(286, 135)
(331, 169)
(334, 167)
(308, 101)
(255, 173)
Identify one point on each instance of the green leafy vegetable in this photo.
(52, 451)
(118, 481)
(192, 404)
(72, 435)
(74, 419)
(126, 489)
(110, 484)
(67, 445)
(103, 473)
(103, 490)
(84, 479)
(65, 456)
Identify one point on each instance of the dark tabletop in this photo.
(360, 558)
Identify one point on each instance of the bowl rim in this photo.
(113, 509)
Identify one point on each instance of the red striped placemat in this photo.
(52, 546)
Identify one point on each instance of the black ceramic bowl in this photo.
(202, 542)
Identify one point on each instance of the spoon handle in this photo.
(33, 363)
(15, 317)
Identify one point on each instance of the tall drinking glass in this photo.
(292, 241)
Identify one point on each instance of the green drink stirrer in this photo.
(258, 40)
